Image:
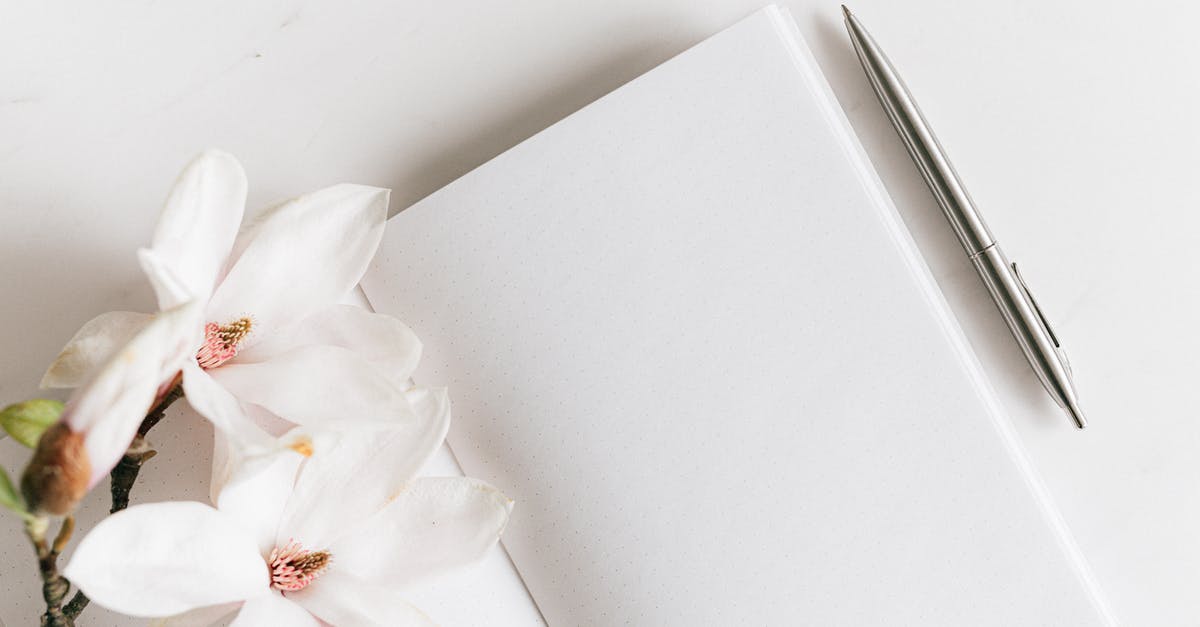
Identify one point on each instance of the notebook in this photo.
(686, 330)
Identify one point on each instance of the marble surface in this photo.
(1072, 122)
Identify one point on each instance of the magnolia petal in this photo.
(302, 256)
(317, 386)
(170, 290)
(213, 401)
(91, 346)
(273, 610)
(108, 408)
(360, 470)
(381, 339)
(432, 527)
(229, 458)
(196, 230)
(256, 492)
(339, 598)
(199, 617)
(163, 559)
(224, 462)
(268, 421)
(233, 462)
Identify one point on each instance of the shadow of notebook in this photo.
(686, 331)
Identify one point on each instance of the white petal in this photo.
(200, 221)
(168, 287)
(229, 456)
(317, 386)
(92, 345)
(199, 617)
(268, 421)
(339, 598)
(434, 526)
(256, 493)
(108, 408)
(360, 470)
(233, 462)
(381, 339)
(273, 610)
(224, 463)
(211, 400)
(302, 256)
(167, 558)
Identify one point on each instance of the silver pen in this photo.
(1008, 289)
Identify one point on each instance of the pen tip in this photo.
(846, 12)
(1077, 415)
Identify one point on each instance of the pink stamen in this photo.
(221, 342)
(293, 567)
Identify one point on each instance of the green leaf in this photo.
(26, 421)
(9, 497)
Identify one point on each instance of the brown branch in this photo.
(157, 412)
(125, 473)
(54, 586)
(78, 603)
(64, 535)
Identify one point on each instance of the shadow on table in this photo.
(539, 110)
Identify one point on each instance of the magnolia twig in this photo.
(157, 412)
(64, 535)
(124, 475)
(78, 603)
(54, 587)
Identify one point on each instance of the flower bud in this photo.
(57, 476)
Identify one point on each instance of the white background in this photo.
(1073, 124)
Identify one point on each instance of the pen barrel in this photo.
(944, 183)
(1021, 315)
(922, 145)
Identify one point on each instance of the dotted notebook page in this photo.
(681, 331)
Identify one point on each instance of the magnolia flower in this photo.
(102, 417)
(273, 334)
(337, 537)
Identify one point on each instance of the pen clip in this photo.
(1041, 316)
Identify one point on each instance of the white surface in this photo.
(687, 333)
(1073, 123)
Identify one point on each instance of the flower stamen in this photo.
(293, 567)
(221, 342)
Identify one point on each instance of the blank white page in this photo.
(684, 329)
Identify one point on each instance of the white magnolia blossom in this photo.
(102, 416)
(336, 538)
(274, 337)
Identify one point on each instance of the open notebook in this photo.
(686, 331)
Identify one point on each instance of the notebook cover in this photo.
(686, 331)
